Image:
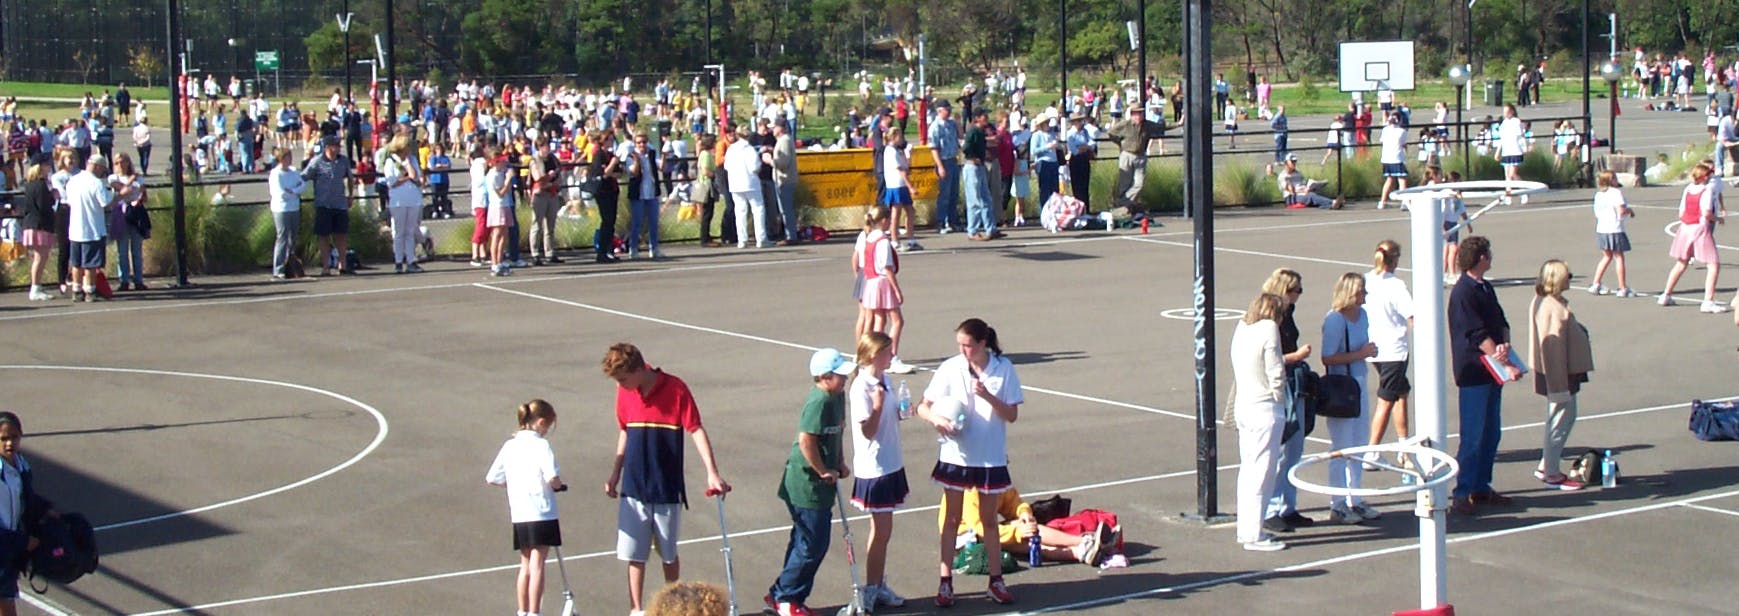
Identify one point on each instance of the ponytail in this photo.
(1387, 257)
(874, 217)
(534, 410)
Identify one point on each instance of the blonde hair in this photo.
(623, 359)
(35, 172)
(1346, 291)
(874, 217)
(1606, 179)
(1700, 173)
(399, 144)
(689, 598)
(534, 410)
(283, 155)
(870, 345)
(1266, 307)
(1388, 256)
(1554, 278)
(1281, 281)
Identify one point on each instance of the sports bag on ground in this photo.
(1715, 421)
(66, 550)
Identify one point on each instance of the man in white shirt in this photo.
(742, 169)
(87, 196)
(1394, 157)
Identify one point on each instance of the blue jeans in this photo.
(1279, 147)
(948, 195)
(130, 253)
(284, 242)
(1481, 427)
(513, 236)
(787, 193)
(245, 147)
(1047, 171)
(975, 183)
(1285, 499)
(642, 214)
(809, 537)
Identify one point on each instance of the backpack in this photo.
(1714, 421)
(1586, 468)
(66, 552)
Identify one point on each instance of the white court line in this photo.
(50, 606)
(1711, 509)
(1687, 502)
(1338, 223)
(794, 345)
(577, 275)
(379, 435)
(785, 528)
(1254, 253)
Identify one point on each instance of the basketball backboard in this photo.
(1376, 65)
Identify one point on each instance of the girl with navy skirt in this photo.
(880, 486)
(974, 452)
(526, 466)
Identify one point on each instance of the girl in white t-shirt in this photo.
(880, 487)
(499, 191)
(1231, 122)
(1389, 305)
(526, 466)
(881, 295)
(896, 184)
(974, 453)
(1610, 210)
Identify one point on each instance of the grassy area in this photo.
(31, 89)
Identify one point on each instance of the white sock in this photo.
(90, 289)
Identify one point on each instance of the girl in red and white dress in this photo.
(1699, 211)
(881, 286)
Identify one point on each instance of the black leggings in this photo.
(604, 242)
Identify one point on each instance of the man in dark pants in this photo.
(1477, 330)
(352, 123)
(1081, 149)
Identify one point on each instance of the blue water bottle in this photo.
(1608, 470)
(1034, 555)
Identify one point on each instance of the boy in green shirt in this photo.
(811, 474)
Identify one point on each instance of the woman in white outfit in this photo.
(404, 184)
(1346, 344)
(286, 187)
(742, 166)
(1390, 307)
(1257, 399)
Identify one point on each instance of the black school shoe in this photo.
(1277, 524)
(1297, 519)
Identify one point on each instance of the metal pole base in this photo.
(1196, 519)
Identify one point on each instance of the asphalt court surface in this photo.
(318, 446)
(396, 520)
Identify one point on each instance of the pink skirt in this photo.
(498, 217)
(1695, 242)
(878, 294)
(37, 238)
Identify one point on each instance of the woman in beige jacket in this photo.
(1562, 358)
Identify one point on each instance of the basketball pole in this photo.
(1430, 390)
(1199, 203)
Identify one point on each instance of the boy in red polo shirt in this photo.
(653, 411)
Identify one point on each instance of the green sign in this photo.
(265, 60)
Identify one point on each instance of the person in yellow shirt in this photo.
(1018, 525)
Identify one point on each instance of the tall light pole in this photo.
(1611, 73)
(177, 191)
(344, 26)
(1063, 47)
(1459, 75)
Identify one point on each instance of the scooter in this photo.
(856, 607)
(725, 538)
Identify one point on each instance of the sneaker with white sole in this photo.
(1666, 300)
(1088, 550)
(1624, 292)
(1265, 544)
(1366, 511)
(1596, 289)
(1339, 515)
(900, 367)
(883, 595)
(1370, 458)
(1713, 307)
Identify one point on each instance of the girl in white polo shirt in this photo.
(526, 466)
(974, 453)
(880, 486)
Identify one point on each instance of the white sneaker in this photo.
(1265, 544)
(914, 246)
(900, 367)
(887, 596)
(1713, 307)
(1596, 289)
(1366, 511)
(1666, 300)
(38, 296)
(1449, 280)
(657, 254)
(1339, 515)
(1624, 292)
(1369, 457)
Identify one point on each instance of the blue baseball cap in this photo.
(830, 360)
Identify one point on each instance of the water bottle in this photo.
(1609, 470)
(1034, 554)
(905, 401)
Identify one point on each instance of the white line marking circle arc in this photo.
(1189, 314)
(379, 436)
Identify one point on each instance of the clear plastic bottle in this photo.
(1609, 470)
(905, 401)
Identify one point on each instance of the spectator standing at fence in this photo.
(785, 181)
(286, 188)
(642, 198)
(945, 151)
(742, 165)
(1132, 135)
(130, 224)
(330, 172)
(1046, 150)
(1477, 330)
(974, 181)
(403, 179)
(142, 144)
(606, 168)
(88, 199)
(546, 203)
(66, 166)
(1511, 145)
(1081, 149)
(1222, 94)
(38, 225)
